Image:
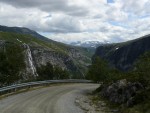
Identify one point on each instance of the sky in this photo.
(79, 20)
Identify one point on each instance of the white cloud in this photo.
(76, 20)
(74, 37)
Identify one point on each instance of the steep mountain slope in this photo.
(26, 31)
(23, 30)
(124, 55)
(38, 51)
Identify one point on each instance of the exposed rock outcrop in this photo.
(41, 56)
(122, 92)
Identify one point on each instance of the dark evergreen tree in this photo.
(49, 72)
(11, 63)
(98, 71)
(142, 69)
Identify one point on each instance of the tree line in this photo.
(49, 72)
(11, 63)
(100, 71)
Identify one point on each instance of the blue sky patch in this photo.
(110, 1)
(119, 24)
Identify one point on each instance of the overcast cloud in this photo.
(79, 20)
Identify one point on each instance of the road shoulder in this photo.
(91, 104)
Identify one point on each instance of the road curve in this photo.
(54, 99)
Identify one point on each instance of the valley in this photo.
(36, 52)
(74, 56)
(27, 56)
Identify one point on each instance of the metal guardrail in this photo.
(16, 87)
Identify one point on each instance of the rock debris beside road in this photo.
(87, 104)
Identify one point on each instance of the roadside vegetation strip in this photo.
(16, 87)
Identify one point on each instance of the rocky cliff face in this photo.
(124, 55)
(122, 92)
(39, 52)
(41, 56)
(37, 56)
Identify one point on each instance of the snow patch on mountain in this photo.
(89, 43)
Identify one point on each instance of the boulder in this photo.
(122, 92)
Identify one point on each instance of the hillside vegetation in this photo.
(11, 63)
(24, 57)
(124, 55)
(128, 92)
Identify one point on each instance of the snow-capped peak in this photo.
(89, 43)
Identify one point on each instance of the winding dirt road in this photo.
(54, 99)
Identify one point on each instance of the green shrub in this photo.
(98, 71)
(11, 63)
(49, 72)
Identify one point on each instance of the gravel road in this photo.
(54, 99)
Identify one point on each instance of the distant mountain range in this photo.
(89, 44)
(124, 55)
